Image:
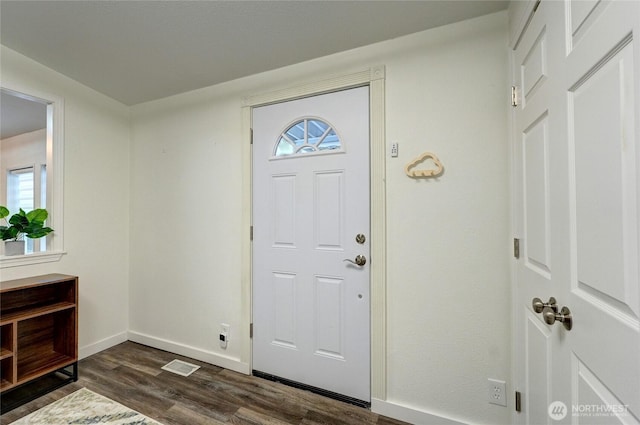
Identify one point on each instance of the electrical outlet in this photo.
(497, 391)
(226, 329)
(225, 333)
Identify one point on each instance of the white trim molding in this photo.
(375, 79)
(189, 351)
(409, 414)
(55, 177)
(103, 344)
(28, 259)
(328, 85)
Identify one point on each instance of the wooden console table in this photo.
(39, 335)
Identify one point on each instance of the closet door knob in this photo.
(538, 305)
(564, 317)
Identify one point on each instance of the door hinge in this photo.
(518, 401)
(250, 330)
(516, 247)
(251, 141)
(514, 96)
(251, 233)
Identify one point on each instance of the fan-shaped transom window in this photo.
(306, 136)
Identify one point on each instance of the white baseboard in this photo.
(193, 352)
(103, 344)
(409, 414)
(381, 407)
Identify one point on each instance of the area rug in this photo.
(85, 407)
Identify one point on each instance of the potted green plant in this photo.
(21, 225)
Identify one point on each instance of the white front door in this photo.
(577, 190)
(311, 226)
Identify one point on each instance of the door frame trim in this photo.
(520, 16)
(374, 78)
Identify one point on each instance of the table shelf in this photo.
(38, 329)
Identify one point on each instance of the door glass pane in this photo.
(284, 147)
(296, 133)
(306, 136)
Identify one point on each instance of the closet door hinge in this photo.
(516, 247)
(514, 96)
(250, 330)
(251, 233)
(518, 404)
(251, 141)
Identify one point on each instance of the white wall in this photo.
(448, 281)
(96, 200)
(185, 220)
(23, 150)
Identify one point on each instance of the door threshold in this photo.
(316, 390)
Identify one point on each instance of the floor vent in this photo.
(181, 368)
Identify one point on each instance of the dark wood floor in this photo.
(130, 374)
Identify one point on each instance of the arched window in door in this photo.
(307, 135)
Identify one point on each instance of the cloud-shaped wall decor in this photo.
(409, 169)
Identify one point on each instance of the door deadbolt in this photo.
(360, 238)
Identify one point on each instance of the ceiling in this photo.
(19, 115)
(138, 51)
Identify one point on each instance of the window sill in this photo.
(26, 260)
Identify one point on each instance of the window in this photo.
(27, 189)
(20, 189)
(308, 135)
(32, 154)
